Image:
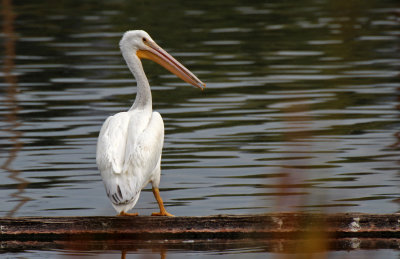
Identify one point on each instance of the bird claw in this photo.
(162, 214)
(122, 213)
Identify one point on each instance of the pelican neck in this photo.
(143, 100)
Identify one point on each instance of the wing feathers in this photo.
(128, 150)
(111, 144)
(146, 152)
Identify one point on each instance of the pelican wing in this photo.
(111, 143)
(143, 154)
(121, 188)
(128, 152)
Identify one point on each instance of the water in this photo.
(301, 110)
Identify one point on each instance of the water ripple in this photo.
(301, 108)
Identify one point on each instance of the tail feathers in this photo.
(121, 198)
(121, 191)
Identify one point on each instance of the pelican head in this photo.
(143, 46)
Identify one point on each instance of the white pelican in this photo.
(130, 143)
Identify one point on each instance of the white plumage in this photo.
(130, 143)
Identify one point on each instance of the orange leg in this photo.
(163, 211)
(123, 213)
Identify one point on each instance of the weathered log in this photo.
(276, 225)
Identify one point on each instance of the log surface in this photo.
(277, 225)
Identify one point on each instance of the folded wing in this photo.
(128, 152)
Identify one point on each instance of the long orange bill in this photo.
(160, 56)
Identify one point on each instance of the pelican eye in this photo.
(144, 40)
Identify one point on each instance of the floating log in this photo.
(276, 225)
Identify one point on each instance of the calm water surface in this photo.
(301, 110)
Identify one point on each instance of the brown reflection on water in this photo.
(396, 144)
(297, 132)
(297, 120)
(11, 102)
(163, 253)
(397, 134)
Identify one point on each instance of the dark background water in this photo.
(301, 110)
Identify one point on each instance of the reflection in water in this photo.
(163, 253)
(220, 248)
(296, 132)
(297, 117)
(11, 103)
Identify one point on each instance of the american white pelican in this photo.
(130, 143)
